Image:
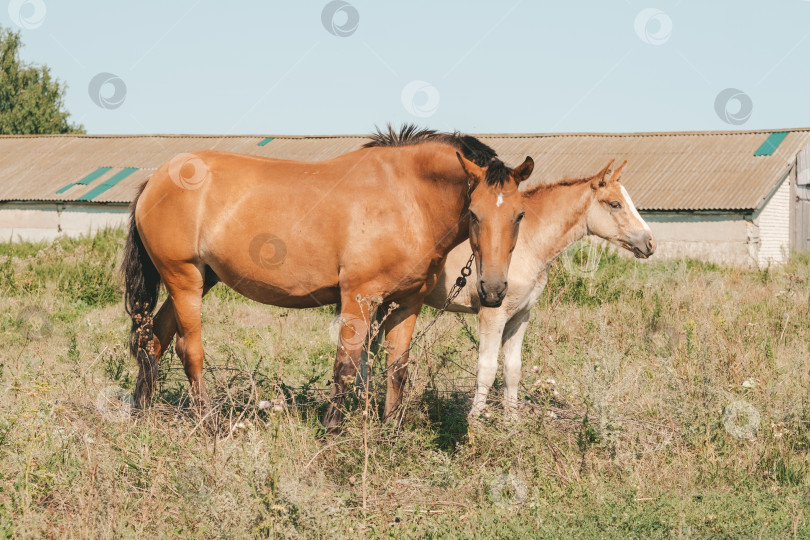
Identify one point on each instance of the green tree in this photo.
(31, 101)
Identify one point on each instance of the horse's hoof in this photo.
(331, 431)
(331, 423)
(211, 423)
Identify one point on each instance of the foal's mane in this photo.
(561, 183)
(470, 147)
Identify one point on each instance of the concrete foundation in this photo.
(36, 222)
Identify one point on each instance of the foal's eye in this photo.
(473, 217)
(519, 218)
(616, 205)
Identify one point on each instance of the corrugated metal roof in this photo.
(666, 171)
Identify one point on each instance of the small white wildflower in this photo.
(277, 408)
(240, 425)
(551, 414)
(487, 415)
(264, 404)
(749, 383)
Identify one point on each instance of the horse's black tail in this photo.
(142, 283)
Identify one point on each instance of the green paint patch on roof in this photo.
(101, 188)
(265, 141)
(771, 143)
(98, 173)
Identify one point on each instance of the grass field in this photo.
(679, 408)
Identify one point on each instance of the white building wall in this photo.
(37, 222)
(721, 238)
(773, 221)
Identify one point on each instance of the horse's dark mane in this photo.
(469, 146)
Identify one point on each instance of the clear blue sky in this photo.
(261, 67)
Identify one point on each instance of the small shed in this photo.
(738, 198)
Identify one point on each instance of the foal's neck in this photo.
(556, 217)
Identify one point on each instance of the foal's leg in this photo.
(399, 330)
(352, 338)
(512, 347)
(491, 322)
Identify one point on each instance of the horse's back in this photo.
(277, 229)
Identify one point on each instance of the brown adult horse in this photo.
(379, 221)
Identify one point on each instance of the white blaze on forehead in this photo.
(500, 200)
(633, 209)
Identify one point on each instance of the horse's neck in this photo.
(446, 188)
(556, 217)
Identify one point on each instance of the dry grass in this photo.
(646, 359)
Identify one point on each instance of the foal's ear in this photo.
(523, 171)
(600, 180)
(473, 171)
(618, 172)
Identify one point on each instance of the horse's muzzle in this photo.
(492, 293)
(645, 246)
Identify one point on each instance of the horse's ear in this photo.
(523, 171)
(618, 172)
(600, 180)
(473, 171)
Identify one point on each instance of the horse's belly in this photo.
(281, 284)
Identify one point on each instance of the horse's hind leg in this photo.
(185, 287)
(165, 327)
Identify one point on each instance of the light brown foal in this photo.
(557, 215)
(379, 221)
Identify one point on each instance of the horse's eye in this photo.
(473, 217)
(616, 205)
(520, 217)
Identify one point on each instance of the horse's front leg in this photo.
(491, 322)
(399, 330)
(354, 324)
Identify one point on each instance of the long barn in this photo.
(736, 198)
